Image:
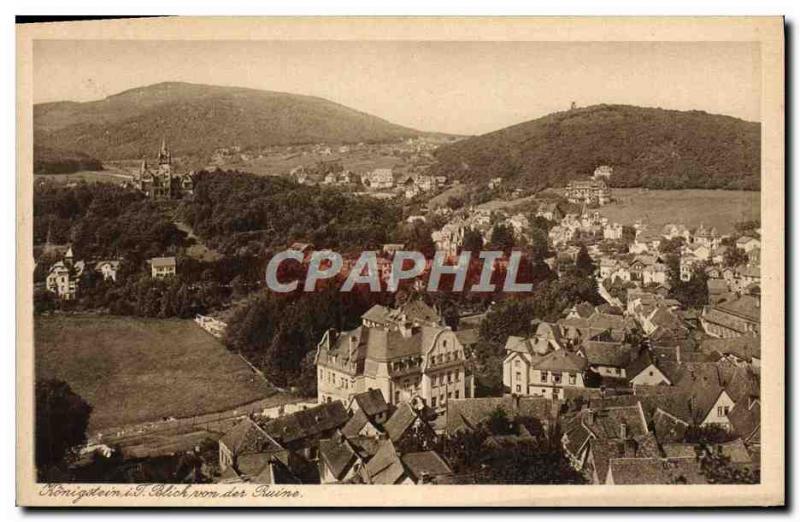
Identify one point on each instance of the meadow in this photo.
(133, 370)
(656, 208)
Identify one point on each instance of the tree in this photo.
(505, 318)
(502, 238)
(499, 423)
(61, 420)
(718, 469)
(628, 234)
(472, 242)
(527, 463)
(734, 257)
(539, 245)
(692, 293)
(672, 246)
(584, 266)
(455, 202)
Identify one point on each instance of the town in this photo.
(635, 359)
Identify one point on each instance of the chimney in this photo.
(588, 417)
(623, 431)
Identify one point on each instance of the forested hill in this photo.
(54, 161)
(647, 147)
(196, 119)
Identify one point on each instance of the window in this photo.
(573, 378)
(396, 397)
(519, 388)
(456, 394)
(517, 363)
(433, 402)
(519, 376)
(722, 411)
(544, 376)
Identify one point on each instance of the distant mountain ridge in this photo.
(199, 118)
(649, 147)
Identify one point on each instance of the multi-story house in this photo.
(588, 191)
(404, 353)
(612, 231)
(732, 318)
(378, 179)
(526, 371)
(161, 267)
(63, 277)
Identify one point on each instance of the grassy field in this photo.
(279, 164)
(136, 370)
(656, 208)
(111, 174)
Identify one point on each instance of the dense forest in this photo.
(102, 221)
(53, 161)
(200, 118)
(653, 148)
(233, 210)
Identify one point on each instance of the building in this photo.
(161, 267)
(404, 353)
(591, 191)
(526, 372)
(378, 179)
(63, 277)
(160, 182)
(748, 243)
(603, 171)
(612, 231)
(108, 269)
(735, 318)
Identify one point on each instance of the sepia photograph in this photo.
(269, 261)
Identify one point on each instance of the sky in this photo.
(453, 87)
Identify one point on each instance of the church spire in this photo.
(163, 154)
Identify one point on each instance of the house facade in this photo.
(403, 352)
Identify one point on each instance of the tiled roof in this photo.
(561, 360)
(425, 463)
(643, 446)
(676, 450)
(162, 261)
(400, 421)
(656, 471)
(355, 424)
(385, 467)
(606, 353)
(247, 437)
(736, 451)
(468, 336)
(371, 402)
(469, 413)
(307, 423)
(746, 419)
(747, 306)
(338, 455)
(745, 347)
